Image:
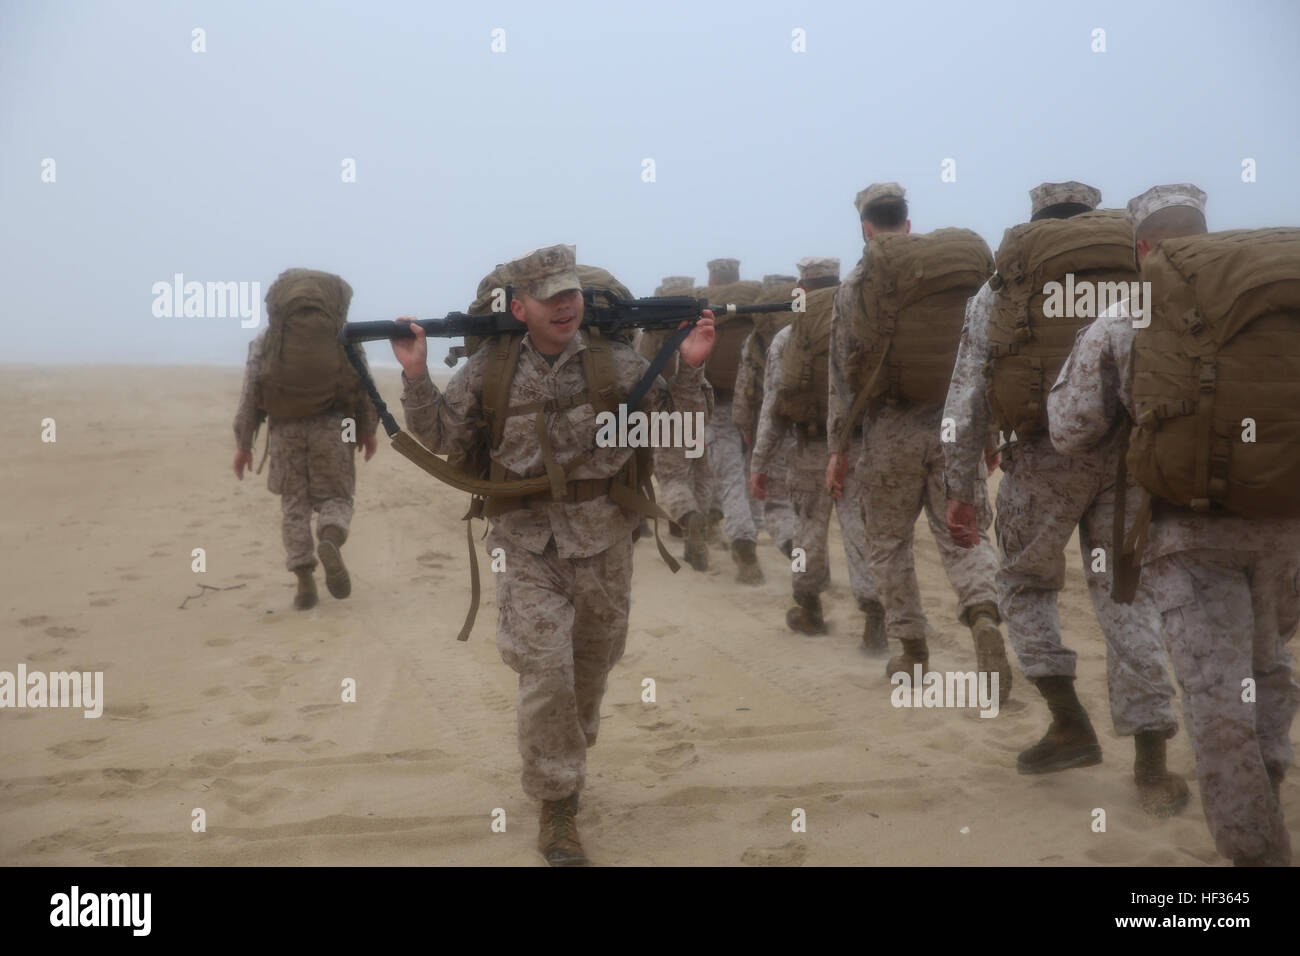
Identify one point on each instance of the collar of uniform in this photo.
(576, 345)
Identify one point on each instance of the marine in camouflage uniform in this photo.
(901, 471)
(1226, 588)
(564, 596)
(727, 460)
(777, 511)
(1042, 497)
(312, 468)
(812, 502)
(688, 498)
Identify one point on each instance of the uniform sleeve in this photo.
(446, 423)
(1095, 384)
(769, 435)
(966, 405)
(746, 391)
(844, 348)
(249, 417)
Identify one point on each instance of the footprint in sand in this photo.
(255, 718)
(45, 655)
(247, 576)
(262, 691)
(668, 760)
(103, 602)
(129, 577)
(122, 773)
(158, 554)
(62, 632)
(218, 641)
(319, 746)
(295, 739)
(75, 749)
(317, 710)
(217, 691)
(36, 621)
(126, 711)
(215, 758)
(261, 660)
(259, 800)
(791, 854)
(433, 559)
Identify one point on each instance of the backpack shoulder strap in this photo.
(598, 368)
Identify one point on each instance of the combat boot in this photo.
(873, 631)
(915, 651)
(746, 557)
(331, 557)
(558, 833)
(807, 617)
(697, 548)
(305, 599)
(990, 650)
(1161, 793)
(1070, 740)
(786, 547)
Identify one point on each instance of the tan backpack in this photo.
(805, 385)
(1093, 250)
(305, 370)
(732, 330)
(1216, 375)
(912, 303)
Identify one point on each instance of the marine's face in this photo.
(551, 322)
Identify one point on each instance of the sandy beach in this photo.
(232, 704)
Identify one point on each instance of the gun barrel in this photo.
(732, 309)
(353, 332)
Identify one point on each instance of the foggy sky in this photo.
(226, 165)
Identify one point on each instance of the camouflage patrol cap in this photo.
(1053, 194)
(773, 278)
(875, 193)
(673, 284)
(818, 267)
(544, 272)
(724, 271)
(1140, 208)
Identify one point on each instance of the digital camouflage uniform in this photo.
(777, 510)
(311, 467)
(812, 502)
(1226, 589)
(726, 449)
(901, 474)
(1043, 495)
(563, 599)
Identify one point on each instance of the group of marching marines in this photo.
(891, 393)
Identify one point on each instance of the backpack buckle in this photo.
(1207, 376)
